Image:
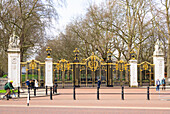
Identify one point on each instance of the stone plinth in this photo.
(14, 66)
(159, 67)
(158, 60)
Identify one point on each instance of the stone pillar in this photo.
(158, 61)
(133, 70)
(48, 72)
(14, 60)
(133, 73)
(49, 69)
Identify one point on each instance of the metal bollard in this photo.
(28, 97)
(46, 90)
(34, 91)
(56, 89)
(53, 89)
(18, 92)
(7, 97)
(29, 93)
(97, 93)
(74, 96)
(51, 93)
(148, 93)
(122, 93)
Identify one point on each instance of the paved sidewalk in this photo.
(86, 102)
(112, 91)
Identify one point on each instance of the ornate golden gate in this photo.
(88, 71)
(33, 70)
(62, 72)
(84, 73)
(146, 73)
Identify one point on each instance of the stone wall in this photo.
(2, 82)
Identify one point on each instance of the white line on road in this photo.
(88, 107)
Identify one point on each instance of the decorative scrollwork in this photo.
(93, 62)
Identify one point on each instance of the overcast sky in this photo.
(70, 11)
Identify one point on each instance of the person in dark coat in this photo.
(163, 83)
(55, 85)
(27, 83)
(158, 83)
(99, 83)
(32, 84)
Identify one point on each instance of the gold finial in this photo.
(76, 51)
(92, 53)
(48, 50)
(109, 53)
(133, 55)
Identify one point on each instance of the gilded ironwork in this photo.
(109, 53)
(48, 50)
(33, 70)
(32, 65)
(93, 62)
(133, 55)
(76, 51)
(146, 73)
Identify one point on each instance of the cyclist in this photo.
(8, 86)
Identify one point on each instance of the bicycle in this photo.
(10, 96)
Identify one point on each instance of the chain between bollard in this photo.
(122, 92)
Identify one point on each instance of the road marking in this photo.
(91, 107)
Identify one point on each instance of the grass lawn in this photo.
(4, 91)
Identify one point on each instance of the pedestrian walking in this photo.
(157, 84)
(36, 84)
(55, 85)
(163, 83)
(27, 83)
(32, 84)
(99, 83)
